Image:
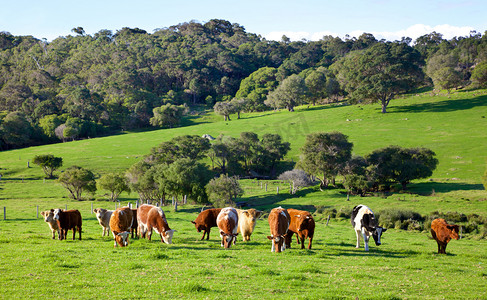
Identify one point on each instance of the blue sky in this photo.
(308, 19)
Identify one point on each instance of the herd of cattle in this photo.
(283, 224)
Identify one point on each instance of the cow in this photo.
(67, 219)
(151, 217)
(48, 218)
(103, 217)
(365, 225)
(246, 222)
(279, 221)
(135, 225)
(443, 232)
(303, 225)
(120, 225)
(227, 222)
(205, 220)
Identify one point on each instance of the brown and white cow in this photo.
(150, 218)
(120, 225)
(246, 222)
(443, 232)
(205, 220)
(49, 219)
(279, 221)
(67, 219)
(103, 217)
(303, 225)
(135, 224)
(227, 222)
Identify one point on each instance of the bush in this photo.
(344, 213)
(400, 219)
(451, 216)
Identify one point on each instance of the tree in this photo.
(379, 73)
(223, 190)
(442, 69)
(291, 92)
(479, 74)
(49, 123)
(168, 115)
(114, 183)
(186, 146)
(298, 178)
(16, 130)
(224, 109)
(316, 83)
(395, 164)
(76, 180)
(48, 162)
(324, 154)
(141, 181)
(256, 86)
(271, 150)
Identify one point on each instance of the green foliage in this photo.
(48, 162)
(396, 164)
(185, 146)
(442, 69)
(222, 191)
(256, 87)
(324, 154)
(16, 130)
(114, 183)
(224, 109)
(479, 74)
(77, 180)
(291, 92)
(168, 115)
(400, 219)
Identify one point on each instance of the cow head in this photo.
(303, 221)
(56, 213)
(122, 239)
(278, 244)
(99, 212)
(167, 236)
(227, 239)
(377, 233)
(48, 216)
(454, 229)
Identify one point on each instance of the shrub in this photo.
(399, 219)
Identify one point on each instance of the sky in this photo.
(304, 19)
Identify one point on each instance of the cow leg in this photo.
(443, 248)
(357, 233)
(74, 233)
(366, 241)
(204, 233)
(302, 241)
(79, 230)
(310, 240)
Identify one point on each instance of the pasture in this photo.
(405, 266)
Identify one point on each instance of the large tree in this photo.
(380, 73)
(324, 155)
(114, 183)
(223, 190)
(291, 92)
(48, 162)
(76, 180)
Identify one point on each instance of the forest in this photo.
(82, 85)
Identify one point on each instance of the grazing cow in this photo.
(49, 219)
(246, 222)
(103, 217)
(67, 219)
(279, 221)
(443, 232)
(152, 217)
(365, 225)
(120, 225)
(205, 220)
(227, 222)
(135, 225)
(303, 225)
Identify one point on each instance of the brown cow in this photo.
(48, 218)
(246, 222)
(205, 220)
(135, 225)
(120, 225)
(303, 225)
(227, 222)
(279, 221)
(443, 232)
(152, 217)
(67, 219)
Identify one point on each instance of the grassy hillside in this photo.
(405, 266)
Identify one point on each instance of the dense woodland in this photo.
(87, 85)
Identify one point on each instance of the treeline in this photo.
(86, 85)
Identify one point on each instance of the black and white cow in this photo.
(364, 223)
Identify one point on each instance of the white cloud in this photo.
(413, 32)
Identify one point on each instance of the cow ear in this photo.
(246, 212)
(270, 237)
(193, 222)
(384, 229)
(52, 210)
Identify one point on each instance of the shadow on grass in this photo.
(442, 106)
(426, 188)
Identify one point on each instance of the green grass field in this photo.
(405, 266)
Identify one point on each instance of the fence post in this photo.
(137, 203)
(278, 190)
(176, 206)
(327, 220)
(91, 207)
(66, 208)
(266, 186)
